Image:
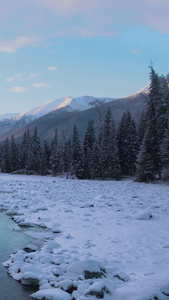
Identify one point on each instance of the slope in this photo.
(63, 118)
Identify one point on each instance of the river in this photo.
(10, 239)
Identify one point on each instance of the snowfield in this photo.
(92, 239)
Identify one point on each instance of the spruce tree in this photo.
(67, 157)
(142, 126)
(43, 170)
(127, 144)
(6, 160)
(131, 148)
(1, 156)
(149, 161)
(56, 155)
(115, 165)
(14, 155)
(165, 154)
(95, 163)
(121, 142)
(47, 153)
(35, 152)
(77, 157)
(89, 140)
(108, 148)
(158, 94)
(26, 151)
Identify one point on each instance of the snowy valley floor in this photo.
(93, 239)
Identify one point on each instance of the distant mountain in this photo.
(65, 112)
(7, 116)
(67, 103)
(145, 89)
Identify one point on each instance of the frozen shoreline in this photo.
(104, 239)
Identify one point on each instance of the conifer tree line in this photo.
(105, 151)
(153, 157)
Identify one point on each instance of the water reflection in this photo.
(11, 239)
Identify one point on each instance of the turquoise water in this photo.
(11, 239)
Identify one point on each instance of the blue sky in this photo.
(52, 48)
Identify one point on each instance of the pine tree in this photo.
(127, 144)
(67, 157)
(35, 152)
(149, 161)
(26, 151)
(121, 142)
(47, 153)
(56, 155)
(158, 100)
(131, 149)
(165, 154)
(14, 155)
(163, 113)
(88, 143)
(77, 157)
(145, 169)
(115, 165)
(108, 144)
(142, 126)
(43, 170)
(6, 160)
(95, 164)
(1, 156)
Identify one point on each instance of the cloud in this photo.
(51, 68)
(12, 78)
(136, 51)
(85, 31)
(113, 14)
(41, 85)
(20, 42)
(6, 49)
(70, 7)
(17, 89)
(56, 18)
(32, 75)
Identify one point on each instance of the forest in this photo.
(106, 151)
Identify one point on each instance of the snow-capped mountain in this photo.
(145, 89)
(69, 104)
(63, 113)
(7, 116)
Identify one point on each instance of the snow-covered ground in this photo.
(97, 239)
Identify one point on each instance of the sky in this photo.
(51, 49)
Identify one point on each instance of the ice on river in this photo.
(97, 239)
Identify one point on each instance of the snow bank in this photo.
(93, 239)
(52, 294)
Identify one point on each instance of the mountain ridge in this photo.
(64, 112)
(68, 103)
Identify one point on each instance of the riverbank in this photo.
(100, 238)
(11, 238)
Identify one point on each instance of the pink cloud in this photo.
(82, 17)
(20, 42)
(121, 13)
(154, 14)
(85, 31)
